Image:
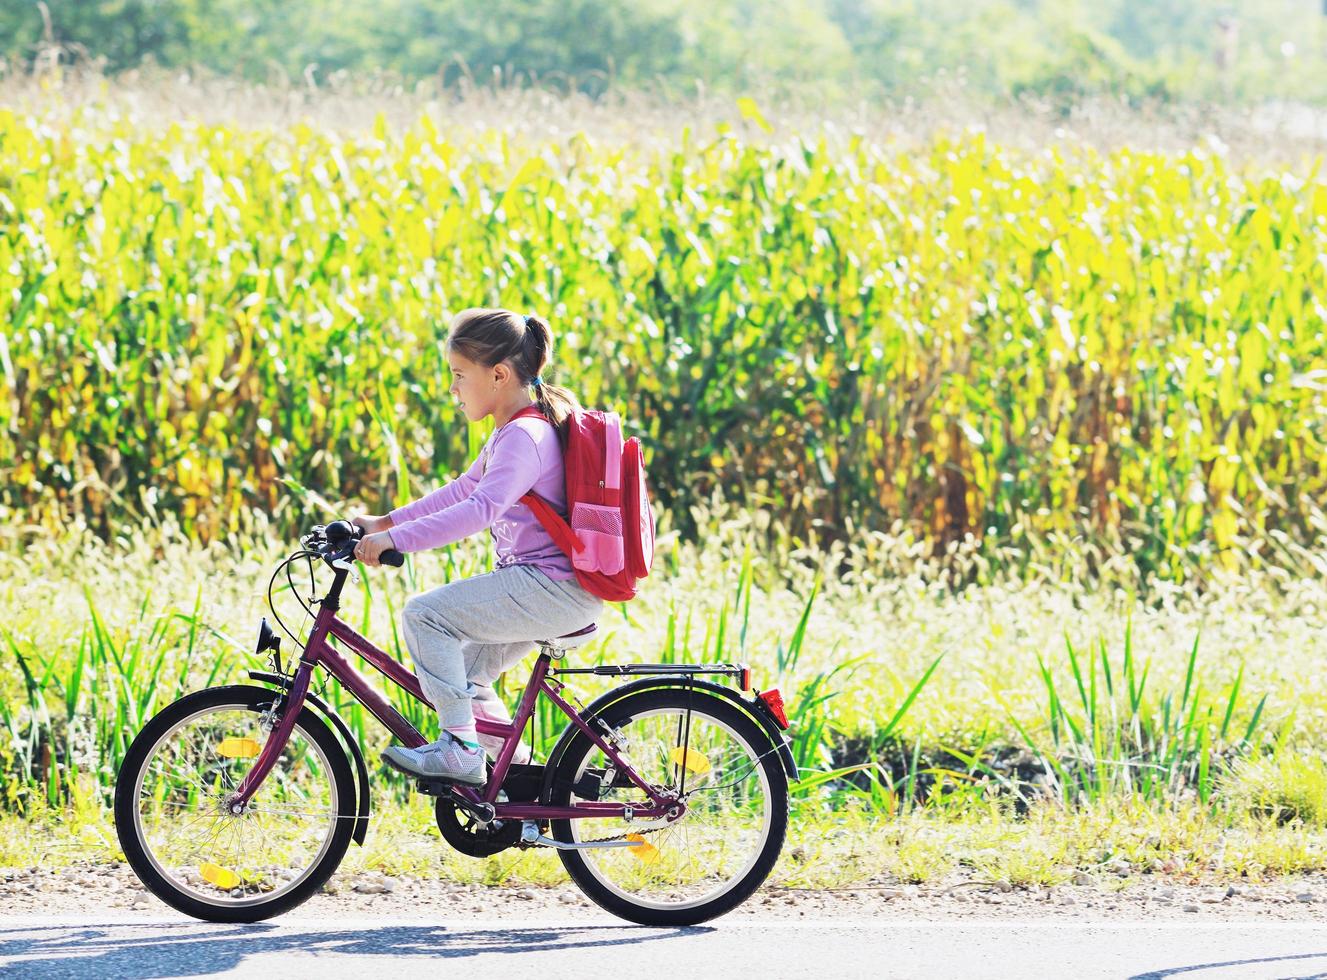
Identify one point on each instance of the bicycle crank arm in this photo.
(483, 812)
(530, 835)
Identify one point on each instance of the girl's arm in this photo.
(512, 471)
(441, 498)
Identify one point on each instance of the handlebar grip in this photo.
(392, 557)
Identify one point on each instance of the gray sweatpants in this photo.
(464, 634)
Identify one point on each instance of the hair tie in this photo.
(528, 318)
(538, 380)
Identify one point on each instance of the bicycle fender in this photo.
(343, 730)
(596, 707)
(752, 706)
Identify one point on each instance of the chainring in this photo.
(462, 829)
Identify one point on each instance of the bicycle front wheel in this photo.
(711, 859)
(179, 834)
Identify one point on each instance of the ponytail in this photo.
(557, 403)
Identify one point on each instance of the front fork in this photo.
(276, 739)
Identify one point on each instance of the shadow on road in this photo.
(1176, 971)
(192, 949)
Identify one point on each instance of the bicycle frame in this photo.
(318, 651)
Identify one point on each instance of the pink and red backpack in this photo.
(610, 535)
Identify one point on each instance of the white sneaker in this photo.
(446, 760)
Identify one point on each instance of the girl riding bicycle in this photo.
(464, 634)
(666, 797)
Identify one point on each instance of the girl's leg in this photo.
(439, 662)
(509, 608)
(485, 664)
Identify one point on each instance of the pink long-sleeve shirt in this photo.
(523, 455)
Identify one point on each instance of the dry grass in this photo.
(1115, 846)
(536, 113)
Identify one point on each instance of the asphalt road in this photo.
(105, 947)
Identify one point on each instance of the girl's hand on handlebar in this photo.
(372, 525)
(371, 546)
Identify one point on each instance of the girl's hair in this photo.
(490, 336)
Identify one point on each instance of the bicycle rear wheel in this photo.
(183, 841)
(719, 852)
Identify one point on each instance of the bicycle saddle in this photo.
(570, 640)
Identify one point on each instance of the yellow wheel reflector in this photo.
(223, 878)
(643, 850)
(693, 760)
(238, 748)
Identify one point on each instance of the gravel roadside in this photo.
(114, 889)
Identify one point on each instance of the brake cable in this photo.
(290, 559)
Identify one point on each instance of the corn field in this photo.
(967, 338)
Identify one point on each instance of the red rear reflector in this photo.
(744, 679)
(774, 701)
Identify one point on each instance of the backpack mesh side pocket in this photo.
(600, 529)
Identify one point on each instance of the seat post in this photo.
(553, 652)
(557, 646)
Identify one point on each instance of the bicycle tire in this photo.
(739, 723)
(243, 697)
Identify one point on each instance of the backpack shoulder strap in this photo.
(530, 411)
(558, 529)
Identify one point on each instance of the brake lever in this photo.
(342, 559)
(342, 563)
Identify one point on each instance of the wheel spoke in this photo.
(326, 815)
(270, 812)
(185, 806)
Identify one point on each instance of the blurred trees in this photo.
(1253, 49)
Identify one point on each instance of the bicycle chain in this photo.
(638, 833)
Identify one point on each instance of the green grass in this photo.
(1116, 846)
(915, 703)
(1013, 731)
(1117, 670)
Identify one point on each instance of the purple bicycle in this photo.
(666, 798)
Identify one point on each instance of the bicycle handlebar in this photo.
(342, 537)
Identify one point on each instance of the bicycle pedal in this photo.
(440, 787)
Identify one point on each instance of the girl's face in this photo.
(482, 391)
(472, 387)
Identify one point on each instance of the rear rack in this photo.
(740, 671)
